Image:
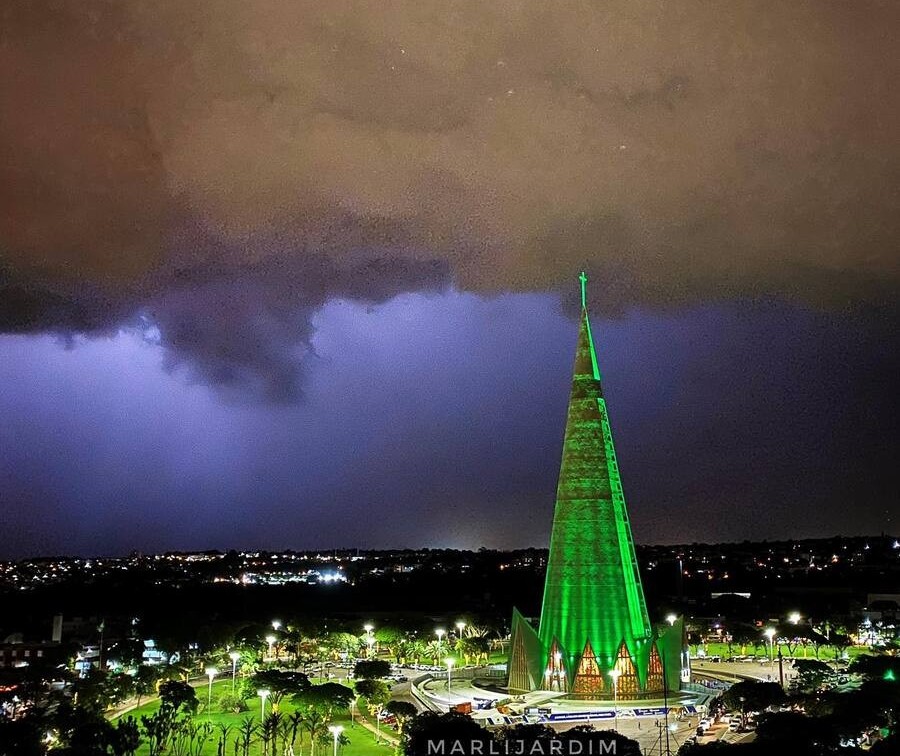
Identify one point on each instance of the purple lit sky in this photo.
(302, 274)
(436, 420)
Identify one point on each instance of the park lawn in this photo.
(362, 741)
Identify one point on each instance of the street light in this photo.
(449, 663)
(794, 618)
(276, 624)
(263, 694)
(615, 674)
(769, 632)
(270, 639)
(460, 626)
(440, 633)
(336, 731)
(671, 618)
(234, 656)
(211, 672)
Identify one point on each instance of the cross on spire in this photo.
(583, 279)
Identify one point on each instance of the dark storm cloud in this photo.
(227, 167)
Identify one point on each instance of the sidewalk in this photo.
(385, 733)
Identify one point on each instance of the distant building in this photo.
(22, 654)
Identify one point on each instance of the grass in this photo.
(362, 741)
(826, 653)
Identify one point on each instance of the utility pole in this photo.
(665, 703)
(780, 669)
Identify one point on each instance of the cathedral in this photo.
(595, 639)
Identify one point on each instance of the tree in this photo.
(129, 652)
(190, 737)
(158, 728)
(346, 643)
(279, 683)
(793, 731)
(434, 650)
(376, 692)
(594, 741)
(21, 737)
(222, 743)
(750, 695)
(403, 711)
(318, 705)
(126, 737)
(269, 731)
(414, 651)
(145, 680)
(179, 696)
(474, 647)
(371, 669)
(246, 731)
(876, 667)
(85, 732)
(94, 691)
(811, 674)
(119, 686)
(431, 733)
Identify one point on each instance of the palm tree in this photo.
(415, 650)
(269, 731)
(247, 730)
(224, 730)
(433, 650)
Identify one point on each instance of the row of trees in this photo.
(816, 721)
(473, 643)
(790, 638)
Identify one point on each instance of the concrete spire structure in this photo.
(594, 618)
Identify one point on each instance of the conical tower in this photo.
(594, 617)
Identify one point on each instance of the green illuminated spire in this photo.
(593, 599)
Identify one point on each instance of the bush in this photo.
(232, 703)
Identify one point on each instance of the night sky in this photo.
(304, 274)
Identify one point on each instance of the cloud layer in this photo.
(225, 168)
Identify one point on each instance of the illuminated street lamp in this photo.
(270, 639)
(440, 633)
(263, 694)
(794, 618)
(615, 674)
(449, 663)
(769, 632)
(460, 626)
(276, 625)
(335, 731)
(234, 656)
(671, 618)
(211, 673)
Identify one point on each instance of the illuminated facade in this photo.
(594, 633)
